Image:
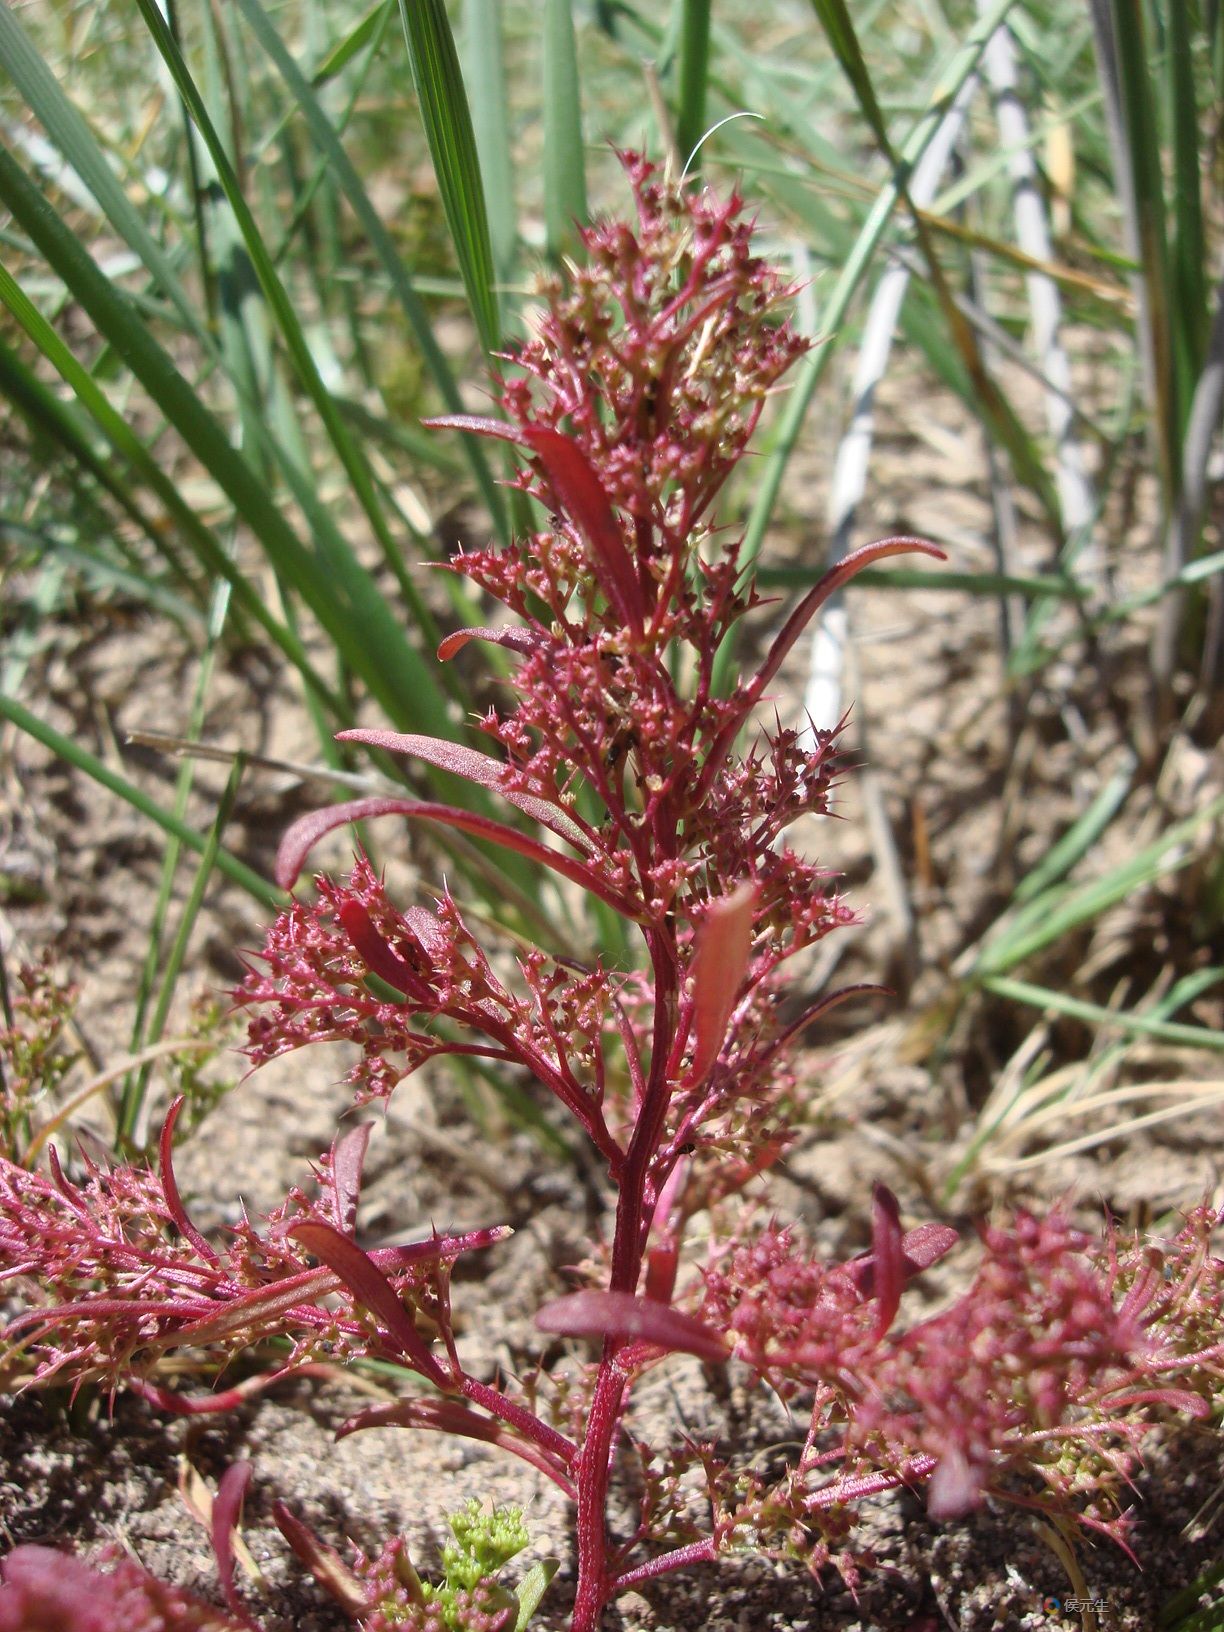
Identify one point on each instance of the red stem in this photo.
(593, 1471)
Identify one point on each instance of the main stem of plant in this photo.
(595, 1583)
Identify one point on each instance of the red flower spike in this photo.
(625, 1318)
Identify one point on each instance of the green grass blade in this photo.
(155, 962)
(65, 127)
(1141, 184)
(48, 416)
(807, 376)
(1060, 911)
(694, 75)
(1033, 586)
(485, 72)
(565, 201)
(1079, 838)
(452, 144)
(72, 752)
(1103, 1019)
(366, 32)
(1188, 250)
(835, 19)
(133, 1099)
(420, 695)
(329, 145)
(121, 324)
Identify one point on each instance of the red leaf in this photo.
(348, 1154)
(323, 1562)
(624, 1316)
(371, 1287)
(223, 1526)
(580, 493)
(516, 639)
(474, 767)
(170, 1186)
(455, 1417)
(920, 1248)
(887, 1255)
(724, 942)
(380, 958)
(582, 496)
(846, 569)
(794, 626)
(306, 832)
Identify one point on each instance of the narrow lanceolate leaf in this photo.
(348, 1154)
(887, 1256)
(523, 641)
(305, 833)
(626, 1318)
(379, 957)
(474, 767)
(836, 577)
(373, 1290)
(724, 943)
(170, 1187)
(449, 1416)
(323, 1562)
(920, 1248)
(223, 1530)
(832, 581)
(565, 202)
(452, 145)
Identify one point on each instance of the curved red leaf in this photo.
(473, 766)
(513, 637)
(306, 832)
(579, 492)
(624, 1316)
(584, 499)
(170, 1187)
(223, 1526)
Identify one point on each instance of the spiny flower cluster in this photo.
(1037, 1384)
(125, 1279)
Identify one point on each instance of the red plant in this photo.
(631, 405)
